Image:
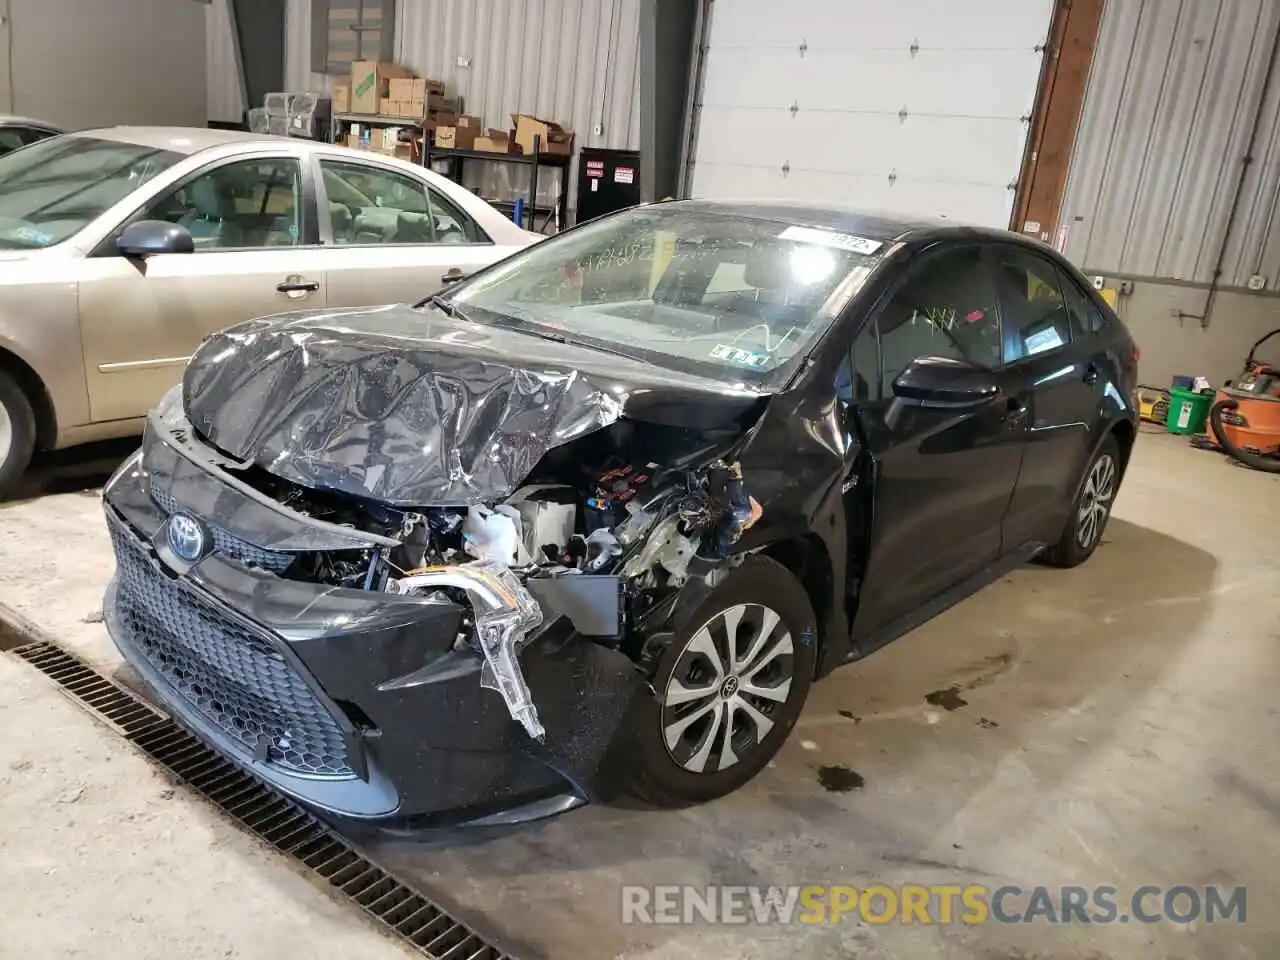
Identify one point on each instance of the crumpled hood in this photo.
(413, 408)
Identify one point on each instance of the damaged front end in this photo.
(339, 615)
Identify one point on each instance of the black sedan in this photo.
(594, 519)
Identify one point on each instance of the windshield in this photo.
(720, 295)
(53, 189)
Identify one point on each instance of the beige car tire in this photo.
(17, 433)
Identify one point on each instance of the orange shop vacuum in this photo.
(1245, 417)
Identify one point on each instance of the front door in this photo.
(1053, 367)
(390, 237)
(944, 477)
(141, 319)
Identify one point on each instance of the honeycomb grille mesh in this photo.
(231, 546)
(230, 676)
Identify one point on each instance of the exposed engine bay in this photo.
(611, 522)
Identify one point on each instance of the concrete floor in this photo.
(1117, 728)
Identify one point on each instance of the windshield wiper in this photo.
(445, 306)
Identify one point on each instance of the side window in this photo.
(1085, 316)
(370, 205)
(11, 139)
(1033, 312)
(248, 204)
(858, 377)
(946, 310)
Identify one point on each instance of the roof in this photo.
(184, 140)
(11, 120)
(833, 215)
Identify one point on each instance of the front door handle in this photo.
(453, 276)
(1091, 374)
(297, 284)
(1015, 411)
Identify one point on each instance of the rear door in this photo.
(391, 237)
(253, 225)
(1055, 369)
(943, 477)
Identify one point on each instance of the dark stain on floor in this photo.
(849, 715)
(986, 724)
(948, 699)
(839, 779)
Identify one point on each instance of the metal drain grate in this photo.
(270, 815)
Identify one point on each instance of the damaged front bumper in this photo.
(361, 703)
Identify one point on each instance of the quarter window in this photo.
(372, 205)
(946, 310)
(1085, 315)
(1033, 313)
(248, 204)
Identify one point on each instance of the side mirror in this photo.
(146, 238)
(943, 382)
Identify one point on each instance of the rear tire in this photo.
(17, 434)
(682, 755)
(1090, 510)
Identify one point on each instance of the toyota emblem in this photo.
(187, 537)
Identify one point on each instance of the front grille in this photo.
(232, 677)
(231, 546)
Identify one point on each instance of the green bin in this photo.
(1187, 411)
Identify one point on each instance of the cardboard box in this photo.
(341, 98)
(400, 88)
(370, 83)
(456, 137)
(494, 141)
(554, 138)
(403, 109)
(424, 88)
(467, 120)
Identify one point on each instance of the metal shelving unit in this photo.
(556, 214)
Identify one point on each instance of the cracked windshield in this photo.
(726, 294)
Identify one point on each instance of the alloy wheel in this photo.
(1095, 501)
(6, 434)
(732, 680)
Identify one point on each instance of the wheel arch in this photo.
(1126, 433)
(37, 395)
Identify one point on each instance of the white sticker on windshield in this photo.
(830, 238)
(745, 358)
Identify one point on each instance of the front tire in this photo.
(1091, 509)
(17, 433)
(729, 688)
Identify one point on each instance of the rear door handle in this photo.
(1091, 374)
(297, 284)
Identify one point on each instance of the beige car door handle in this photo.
(296, 284)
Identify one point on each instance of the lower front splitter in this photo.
(274, 818)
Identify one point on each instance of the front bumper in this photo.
(354, 702)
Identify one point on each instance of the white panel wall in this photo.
(81, 64)
(913, 106)
(226, 83)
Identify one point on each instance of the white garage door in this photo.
(912, 106)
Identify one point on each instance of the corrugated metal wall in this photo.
(573, 61)
(225, 86)
(1172, 96)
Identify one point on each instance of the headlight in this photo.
(169, 409)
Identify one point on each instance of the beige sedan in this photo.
(121, 249)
